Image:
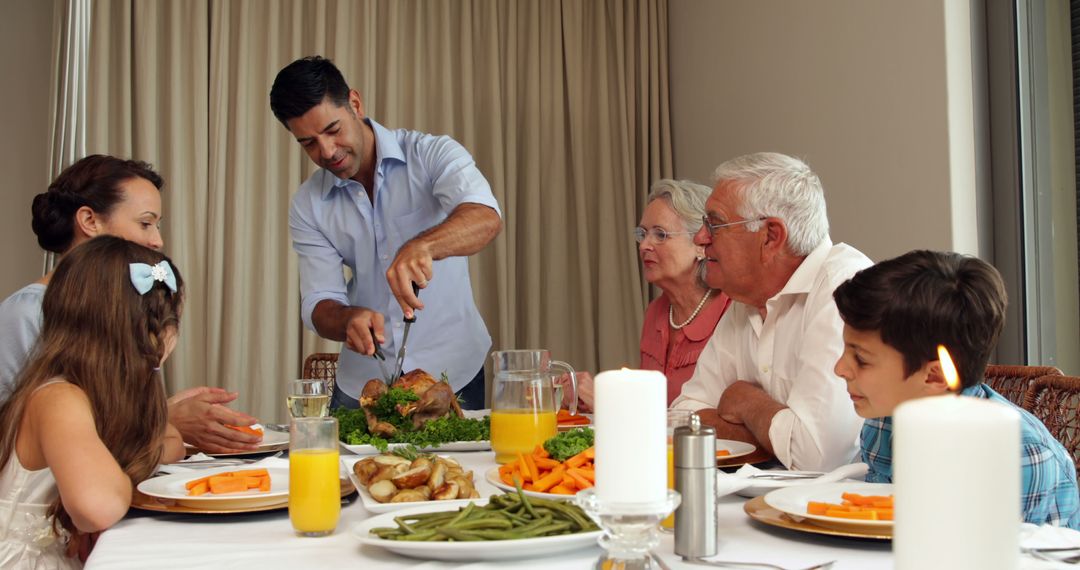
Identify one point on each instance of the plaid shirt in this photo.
(1048, 492)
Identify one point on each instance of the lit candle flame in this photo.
(948, 369)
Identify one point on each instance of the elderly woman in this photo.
(680, 321)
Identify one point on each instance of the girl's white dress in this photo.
(26, 536)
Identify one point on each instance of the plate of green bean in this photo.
(503, 527)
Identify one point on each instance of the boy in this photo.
(895, 314)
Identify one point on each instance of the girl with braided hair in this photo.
(88, 420)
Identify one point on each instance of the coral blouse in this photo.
(678, 361)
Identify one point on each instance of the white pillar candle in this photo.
(630, 420)
(956, 475)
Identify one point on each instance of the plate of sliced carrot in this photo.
(856, 504)
(542, 476)
(222, 488)
(565, 420)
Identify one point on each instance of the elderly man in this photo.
(766, 375)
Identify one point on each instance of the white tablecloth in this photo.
(266, 541)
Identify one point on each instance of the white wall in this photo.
(26, 44)
(864, 90)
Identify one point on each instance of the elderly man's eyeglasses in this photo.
(714, 227)
(659, 235)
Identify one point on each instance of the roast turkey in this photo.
(436, 400)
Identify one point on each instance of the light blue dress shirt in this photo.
(20, 325)
(419, 180)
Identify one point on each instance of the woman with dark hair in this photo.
(105, 195)
(95, 196)
(88, 420)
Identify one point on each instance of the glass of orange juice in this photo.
(314, 484)
(675, 418)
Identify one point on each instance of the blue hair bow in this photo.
(143, 276)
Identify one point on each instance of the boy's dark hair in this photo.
(925, 298)
(304, 84)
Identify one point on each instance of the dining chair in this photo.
(1055, 400)
(1013, 381)
(321, 366)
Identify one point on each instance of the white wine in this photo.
(309, 406)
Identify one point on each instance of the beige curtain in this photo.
(563, 104)
(70, 54)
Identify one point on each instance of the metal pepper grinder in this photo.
(695, 480)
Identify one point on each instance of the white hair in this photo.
(771, 184)
(686, 198)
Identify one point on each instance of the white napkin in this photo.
(1046, 536)
(272, 461)
(177, 468)
(727, 483)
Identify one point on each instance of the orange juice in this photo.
(314, 491)
(516, 431)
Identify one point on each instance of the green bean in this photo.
(468, 510)
(525, 500)
(571, 512)
(420, 536)
(548, 529)
(488, 522)
(457, 534)
(534, 524)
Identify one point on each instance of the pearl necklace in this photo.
(671, 312)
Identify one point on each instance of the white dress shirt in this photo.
(790, 355)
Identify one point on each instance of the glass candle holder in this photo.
(630, 529)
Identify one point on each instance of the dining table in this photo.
(266, 540)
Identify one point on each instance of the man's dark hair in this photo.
(925, 298)
(304, 84)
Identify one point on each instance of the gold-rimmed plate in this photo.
(173, 488)
(159, 505)
(794, 500)
(760, 511)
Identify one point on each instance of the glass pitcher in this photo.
(524, 407)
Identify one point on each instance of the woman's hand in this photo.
(200, 415)
(584, 391)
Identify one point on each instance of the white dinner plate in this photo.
(444, 448)
(271, 441)
(492, 477)
(376, 507)
(793, 500)
(762, 485)
(734, 448)
(172, 487)
(478, 550)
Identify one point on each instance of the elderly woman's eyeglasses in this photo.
(659, 235)
(714, 227)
